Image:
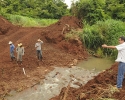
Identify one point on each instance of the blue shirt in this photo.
(12, 48)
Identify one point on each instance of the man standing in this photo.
(20, 53)
(38, 49)
(120, 59)
(12, 47)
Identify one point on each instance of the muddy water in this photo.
(97, 64)
(61, 77)
(53, 83)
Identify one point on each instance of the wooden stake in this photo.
(24, 71)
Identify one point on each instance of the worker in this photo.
(12, 47)
(20, 53)
(39, 49)
(120, 59)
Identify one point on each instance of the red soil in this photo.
(56, 52)
(95, 88)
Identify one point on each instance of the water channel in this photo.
(61, 77)
(98, 64)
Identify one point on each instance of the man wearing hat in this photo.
(12, 47)
(38, 49)
(20, 53)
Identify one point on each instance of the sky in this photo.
(68, 2)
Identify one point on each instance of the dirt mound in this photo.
(99, 87)
(54, 52)
(5, 26)
(55, 32)
(57, 51)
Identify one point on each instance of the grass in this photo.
(30, 22)
(73, 34)
(103, 32)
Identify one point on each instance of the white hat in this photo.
(38, 40)
(10, 42)
(20, 44)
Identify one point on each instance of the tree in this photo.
(91, 10)
(116, 9)
(36, 8)
(2, 5)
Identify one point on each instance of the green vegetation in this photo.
(103, 20)
(30, 22)
(91, 11)
(73, 34)
(52, 9)
(102, 32)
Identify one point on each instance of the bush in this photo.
(29, 22)
(102, 32)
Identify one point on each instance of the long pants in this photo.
(39, 54)
(120, 76)
(12, 55)
(19, 57)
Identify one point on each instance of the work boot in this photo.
(17, 62)
(14, 58)
(11, 59)
(21, 63)
(41, 58)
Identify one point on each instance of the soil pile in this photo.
(54, 54)
(5, 26)
(99, 88)
(56, 31)
(56, 34)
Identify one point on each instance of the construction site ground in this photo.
(57, 51)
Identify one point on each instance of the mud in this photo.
(56, 52)
(100, 88)
(53, 83)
